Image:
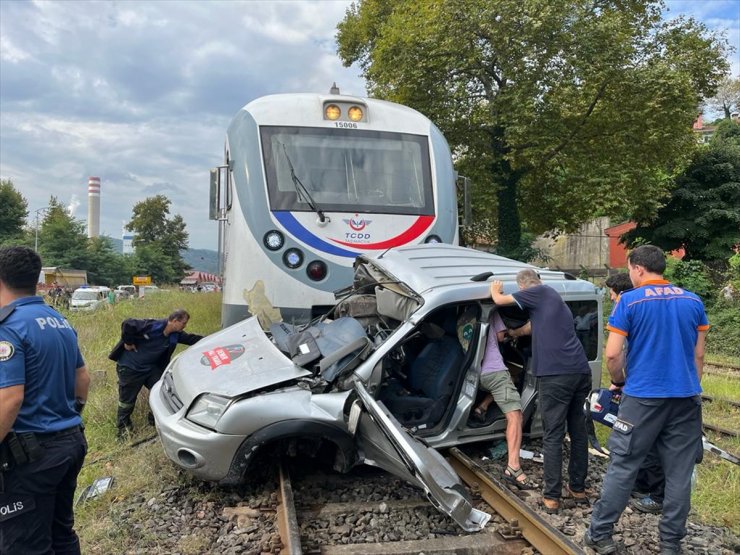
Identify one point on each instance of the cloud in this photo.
(141, 93)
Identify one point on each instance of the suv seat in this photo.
(431, 382)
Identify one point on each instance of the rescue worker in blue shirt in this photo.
(141, 355)
(661, 402)
(43, 387)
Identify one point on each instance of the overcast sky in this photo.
(140, 93)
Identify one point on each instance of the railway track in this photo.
(710, 399)
(515, 528)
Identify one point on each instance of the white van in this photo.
(88, 298)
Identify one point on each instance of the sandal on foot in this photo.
(550, 506)
(511, 476)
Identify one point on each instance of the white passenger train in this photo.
(311, 181)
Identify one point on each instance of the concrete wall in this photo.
(588, 247)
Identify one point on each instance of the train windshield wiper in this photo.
(300, 188)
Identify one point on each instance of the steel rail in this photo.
(540, 534)
(723, 431)
(287, 520)
(711, 399)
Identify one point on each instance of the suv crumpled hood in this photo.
(231, 362)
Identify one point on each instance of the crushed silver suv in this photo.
(389, 376)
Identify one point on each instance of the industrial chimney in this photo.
(93, 206)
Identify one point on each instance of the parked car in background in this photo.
(148, 290)
(130, 290)
(387, 377)
(88, 298)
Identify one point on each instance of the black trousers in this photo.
(130, 383)
(671, 427)
(36, 508)
(561, 404)
(650, 477)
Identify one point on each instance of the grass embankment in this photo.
(138, 470)
(143, 470)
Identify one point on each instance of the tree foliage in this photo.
(727, 97)
(13, 212)
(702, 214)
(159, 240)
(62, 238)
(562, 109)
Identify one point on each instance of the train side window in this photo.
(229, 180)
(229, 193)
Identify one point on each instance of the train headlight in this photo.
(433, 239)
(274, 240)
(332, 112)
(316, 270)
(355, 113)
(293, 258)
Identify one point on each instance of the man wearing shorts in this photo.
(495, 378)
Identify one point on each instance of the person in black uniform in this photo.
(142, 354)
(43, 387)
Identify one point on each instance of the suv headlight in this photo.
(207, 410)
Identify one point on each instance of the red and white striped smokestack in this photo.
(93, 206)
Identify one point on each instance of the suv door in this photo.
(382, 442)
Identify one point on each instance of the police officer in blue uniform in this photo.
(43, 387)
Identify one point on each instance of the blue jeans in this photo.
(561, 404)
(672, 426)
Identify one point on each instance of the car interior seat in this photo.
(431, 378)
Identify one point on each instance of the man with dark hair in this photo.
(43, 388)
(661, 404)
(142, 354)
(650, 481)
(564, 381)
(618, 284)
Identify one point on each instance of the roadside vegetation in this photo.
(139, 466)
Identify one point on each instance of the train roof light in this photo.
(433, 239)
(332, 112)
(355, 113)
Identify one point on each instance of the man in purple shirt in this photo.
(564, 380)
(495, 378)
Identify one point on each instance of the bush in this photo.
(724, 335)
(692, 275)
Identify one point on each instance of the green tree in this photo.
(165, 237)
(105, 266)
(567, 109)
(62, 238)
(13, 212)
(727, 97)
(702, 214)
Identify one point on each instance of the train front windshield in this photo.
(347, 170)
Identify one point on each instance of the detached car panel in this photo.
(387, 377)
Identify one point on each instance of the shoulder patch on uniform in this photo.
(6, 351)
(5, 312)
